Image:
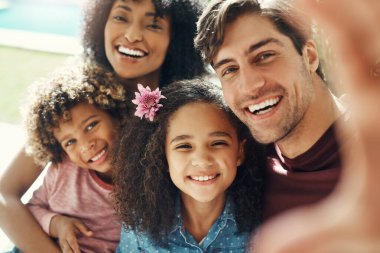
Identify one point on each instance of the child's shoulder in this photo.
(132, 240)
(66, 167)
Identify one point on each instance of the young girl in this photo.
(72, 121)
(146, 41)
(190, 187)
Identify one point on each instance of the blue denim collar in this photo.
(226, 216)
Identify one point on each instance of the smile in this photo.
(98, 156)
(203, 178)
(265, 106)
(135, 53)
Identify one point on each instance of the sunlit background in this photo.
(36, 36)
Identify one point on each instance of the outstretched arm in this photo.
(15, 219)
(348, 220)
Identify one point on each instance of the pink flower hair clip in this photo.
(147, 102)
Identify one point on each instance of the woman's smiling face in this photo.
(137, 40)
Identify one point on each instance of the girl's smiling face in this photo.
(203, 152)
(137, 40)
(88, 137)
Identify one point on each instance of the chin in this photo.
(267, 139)
(204, 199)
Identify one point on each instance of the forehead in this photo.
(83, 109)
(140, 6)
(135, 6)
(199, 118)
(135, 2)
(245, 31)
(77, 113)
(146, 8)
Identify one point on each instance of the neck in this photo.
(322, 112)
(105, 177)
(151, 80)
(199, 217)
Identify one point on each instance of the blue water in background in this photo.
(53, 17)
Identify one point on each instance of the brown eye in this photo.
(119, 17)
(68, 143)
(219, 143)
(229, 70)
(264, 56)
(155, 26)
(183, 146)
(91, 125)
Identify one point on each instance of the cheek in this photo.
(73, 156)
(172, 161)
(231, 166)
(231, 158)
(113, 135)
(164, 46)
(176, 163)
(173, 173)
(232, 163)
(229, 96)
(107, 36)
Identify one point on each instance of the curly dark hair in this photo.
(144, 193)
(51, 99)
(182, 61)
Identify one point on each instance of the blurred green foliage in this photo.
(19, 68)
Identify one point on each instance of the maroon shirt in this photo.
(304, 179)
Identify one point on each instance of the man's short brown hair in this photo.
(220, 13)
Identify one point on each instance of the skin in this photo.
(347, 221)
(66, 230)
(133, 25)
(253, 66)
(87, 138)
(203, 156)
(15, 219)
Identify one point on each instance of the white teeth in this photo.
(263, 111)
(97, 157)
(270, 102)
(131, 52)
(202, 178)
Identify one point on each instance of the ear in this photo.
(241, 153)
(311, 56)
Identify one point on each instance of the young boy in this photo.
(73, 121)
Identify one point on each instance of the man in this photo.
(269, 69)
(348, 220)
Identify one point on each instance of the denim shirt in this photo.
(223, 237)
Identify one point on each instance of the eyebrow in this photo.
(126, 8)
(213, 134)
(80, 125)
(251, 49)
(88, 119)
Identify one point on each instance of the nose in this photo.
(251, 80)
(202, 160)
(133, 33)
(86, 146)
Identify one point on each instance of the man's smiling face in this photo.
(265, 81)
